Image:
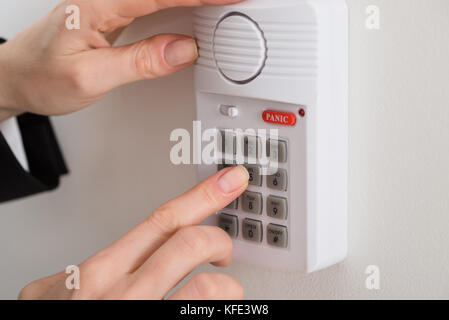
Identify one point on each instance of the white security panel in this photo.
(280, 64)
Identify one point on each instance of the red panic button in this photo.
(277, 117)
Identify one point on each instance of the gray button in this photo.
(277, 207)
(278, 181)
(255, 178)
(225, 165)
(277, 236)
(252, 230)
(228, 142)
(277, 150)
(233, 205)
(229, 223)
(252, 202)
(252, 147)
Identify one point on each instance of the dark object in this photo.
(45, 160)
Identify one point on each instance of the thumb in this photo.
(155, 57)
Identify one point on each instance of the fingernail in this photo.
(181, 52)
(234, 179)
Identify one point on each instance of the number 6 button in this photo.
(278, 181)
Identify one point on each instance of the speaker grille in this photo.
(291, 47)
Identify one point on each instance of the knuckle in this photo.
(235, 290)
(28, 291)
(163, 219)
(109, 21)
(217, 286)
(147, 62)
(95, 264)
(226, 241)
(77, 75)
(94, 276)
(105, 20)
(195, 239)
(206, 286)
(208, 196)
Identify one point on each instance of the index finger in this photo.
(138, 8)
(133, 249)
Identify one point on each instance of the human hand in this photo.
(152, 258)
(50, 70)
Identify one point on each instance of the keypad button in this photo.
(233, 205)
(278, 181)
(229, 223)
(255, 177)
(277, 207)
(228, 142)
(277, 150)
(225, 165)
(252, 146)
(252, 230)
(277, 236)
(252, 202)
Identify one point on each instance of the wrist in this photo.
(7, 108)
(5, 114)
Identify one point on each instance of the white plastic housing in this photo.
(305, 67)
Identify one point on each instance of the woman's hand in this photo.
(152, 258)
(48, 69)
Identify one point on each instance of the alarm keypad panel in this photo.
(261, 219)
(278, 66)
(258, 202)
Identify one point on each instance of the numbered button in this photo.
(277, 236)
(225, 165)
(228, 142)
(233, 205)
(252, 146)
(277, 207)
(252, 230)
(252, 202)
(278, 181)
(277, 150)
(229, 223)
(255, 178)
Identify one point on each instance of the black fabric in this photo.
(44, 157)
(45, 160)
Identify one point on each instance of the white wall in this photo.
(399, 159)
